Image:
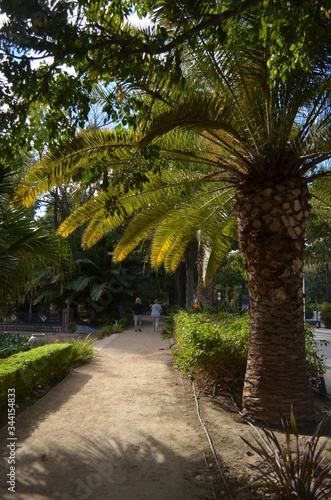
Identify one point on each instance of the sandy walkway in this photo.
(122, 427)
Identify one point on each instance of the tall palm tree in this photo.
(23, 245)
(265, 136)
(271, 135)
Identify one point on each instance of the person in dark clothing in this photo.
(137, 310)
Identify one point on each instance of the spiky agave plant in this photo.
(288, 471)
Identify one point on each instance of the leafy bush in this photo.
(11, 343)
(105, 331)
(25, 370)
(326, 314)
(110, 329)
(315, 362)
(286, 470)
(82, 350)
(123, 322)
(215, 345)
(72, 326)
(310, 310)
(168, 326)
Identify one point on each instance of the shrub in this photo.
(123, 322)
(310, 310)
(215, 345)
(105, 331)
(25, 370)
(288, 471)
(11, 343)
(82, 350)
(72, 326)
(315, 362)
(326, 314)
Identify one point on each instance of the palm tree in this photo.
(271, 135)
(23, 245)
(264, 136)
(173, 210)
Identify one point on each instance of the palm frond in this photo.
(116, 148)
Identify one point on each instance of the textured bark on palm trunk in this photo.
(272, 217)
(205, 293)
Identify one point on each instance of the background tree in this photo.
(267, 112)
(318, 248)
(230, 280)
(24, 246)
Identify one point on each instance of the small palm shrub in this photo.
(326, 314)
(286, 470)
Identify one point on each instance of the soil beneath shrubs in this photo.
(128, 426)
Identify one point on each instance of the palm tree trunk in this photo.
(327, 282)
(205, 293)
(190, 263)
(272, 219)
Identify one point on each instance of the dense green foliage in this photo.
(25, 370)
(107, 330)
(12, 343)
(93, 39)
(326, 314)
(40, 366)
(82, 350)
(217, 346)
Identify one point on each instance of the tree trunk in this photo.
(179, 284)
(205, 293)
(327, 282)
(190, 263)
(272, 219)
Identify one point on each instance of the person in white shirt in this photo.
(156, 313)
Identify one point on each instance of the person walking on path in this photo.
(137, 310)
(156, 313)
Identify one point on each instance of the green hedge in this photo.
(217, 345)
(25, 370)
(213, 344)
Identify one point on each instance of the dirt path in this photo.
(125, 427)
(122, 427)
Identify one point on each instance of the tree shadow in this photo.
(109, 469)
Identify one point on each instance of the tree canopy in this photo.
(54, 52)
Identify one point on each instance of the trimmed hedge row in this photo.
(25, 370)
(217, 346)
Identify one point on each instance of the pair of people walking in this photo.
(137, 310)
